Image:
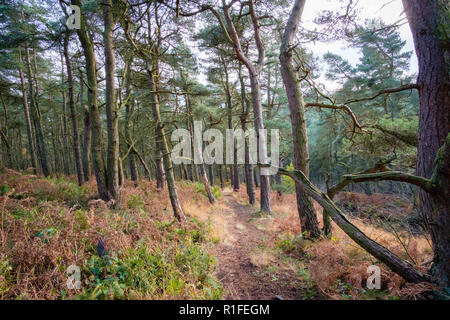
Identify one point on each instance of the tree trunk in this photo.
(249, 169)
(112, 112)
(261, 140)
(97, 146)
(211, 174)
(36, 116)
(222, 184)
(254, 71)
(198, 150)
(87, 135)
(65, 144)
(73, 114)
(129, 108)
(153, 77)
(26, 108)
(308, 218)
(235, 175)
(429, 24)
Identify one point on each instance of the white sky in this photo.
(389, 11)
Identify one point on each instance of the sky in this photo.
(390, 11)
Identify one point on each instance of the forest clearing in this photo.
(224, 150)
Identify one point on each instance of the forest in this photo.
(224, 150)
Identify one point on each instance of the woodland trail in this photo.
(241, 276)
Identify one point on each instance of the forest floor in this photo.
(241, 275)
(226, 250)
(265, 256)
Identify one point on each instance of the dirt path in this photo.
(241, 276)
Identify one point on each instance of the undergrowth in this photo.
(49, 224)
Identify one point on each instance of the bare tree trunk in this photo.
(73, 114)
(429, 24)
(112, 112)
(26, 108)
(153, 75)
(198, 150)
(222, 184)
(65, 155)
(226, 85)
(87, 135)
(97, 146)
(308, 218)
(249, 169)
(254, 72)
(211, 174)
(262, 143)
(36, 116)
(129, 108)
(4, 134)
(190, 127)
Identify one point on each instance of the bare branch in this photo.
(336, 107)
(385, 91)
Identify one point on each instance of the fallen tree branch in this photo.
(421, 182)
(399, 266)
(379, 166)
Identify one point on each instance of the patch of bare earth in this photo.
(238, 268)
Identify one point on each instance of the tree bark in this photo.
(97, 146)
(254, 72)
(429, 25)
(65, 144)
(73, 114)
(249, 169)
(36, 116)
(112, 110)
(153, 75)
(26, 108)
(198, 150)
(87, 135)
(129, 108)
(305, 207)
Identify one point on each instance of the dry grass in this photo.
(49, 224)
(42, 232)
(339, 266)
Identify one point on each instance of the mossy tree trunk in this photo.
(308, 218)
(430, 26)
(73, 114)
(97, 145)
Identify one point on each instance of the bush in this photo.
(140, 273)
(288, 185)
(215, 190)
(136, 202)
(62, 189)
(4, 188)
(6, 278)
